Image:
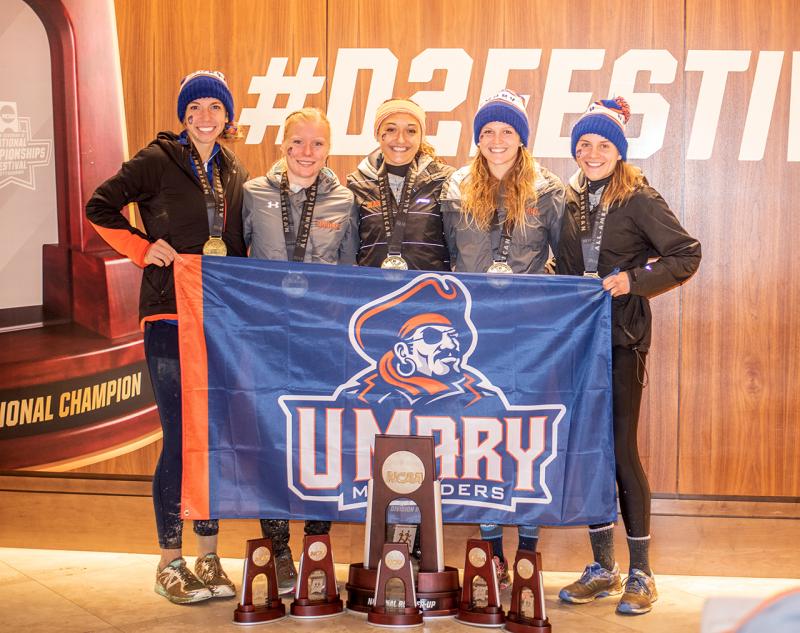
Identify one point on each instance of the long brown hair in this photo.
(625, 179)
(481, 190)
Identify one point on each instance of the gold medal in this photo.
(394, 262)
(215, 246)
(501, 268)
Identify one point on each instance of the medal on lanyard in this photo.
(500, 266)
(394, 259)
(215, 202)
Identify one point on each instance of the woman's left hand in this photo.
(617, 285)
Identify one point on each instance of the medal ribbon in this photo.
(297, 247)
(394, 224)
(505, 240)
(215, 198)
(591, 237)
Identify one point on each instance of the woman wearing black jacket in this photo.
(618, 228)
(397, 190)
(189, 193)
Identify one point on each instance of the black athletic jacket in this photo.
(172, 207)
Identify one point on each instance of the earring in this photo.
(405, 362)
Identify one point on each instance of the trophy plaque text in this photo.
(527, 612)
(480, 596)
(316, 595)
(259, 601)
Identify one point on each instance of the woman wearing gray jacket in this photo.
(502, 214)
(299, 212)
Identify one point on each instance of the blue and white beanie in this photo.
(506, 107)
(607, 118)
(202, 84)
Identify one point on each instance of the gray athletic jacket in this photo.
(473, 250)
(334, 229)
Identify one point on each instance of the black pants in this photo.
(163, 361)
(628, 369)
(278, 531)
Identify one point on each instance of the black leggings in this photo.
(628, 368)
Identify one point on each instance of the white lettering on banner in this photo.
(556, 102)
(383, 64)
(654, 108)
(762, 102)
(793, 151)
(525, 458)
(309, 476)
(448, 448)
(715, 66)
(481, 438)
(458, 66)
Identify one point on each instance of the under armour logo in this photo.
(273, 204)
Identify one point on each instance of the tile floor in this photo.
(70, 592)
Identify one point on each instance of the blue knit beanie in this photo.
(607, 118)
(202, 84)
(506, 107)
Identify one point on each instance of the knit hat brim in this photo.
(506, 115)
(402, 106)
(505, 107)
(604, 126)
(205, 86)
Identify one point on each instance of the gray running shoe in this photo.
(177, 584)
(640, 593)
(287, 574)
(209, 570)
(595, 582)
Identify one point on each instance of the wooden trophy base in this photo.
(396, 618)
(360, 588)
(438, 593)
(489, 617)
(249, 614)
(315, 609)
(524, 625)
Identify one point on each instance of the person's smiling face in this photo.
(596, 156)
(399, 137)
(305, 148)
(204, 121)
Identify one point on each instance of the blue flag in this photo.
(290, 370)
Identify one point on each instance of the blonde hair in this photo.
(481, 190)
(306, 115)
(625, 179)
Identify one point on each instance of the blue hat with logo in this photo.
(606, 118)
(204, 84)
(506, 107)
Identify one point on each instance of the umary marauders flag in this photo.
(290, 370)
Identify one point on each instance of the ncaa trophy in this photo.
(480, 596)
(259, 602)
(395, 598)
(403, 467)
(316, 595)
(527, 612)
